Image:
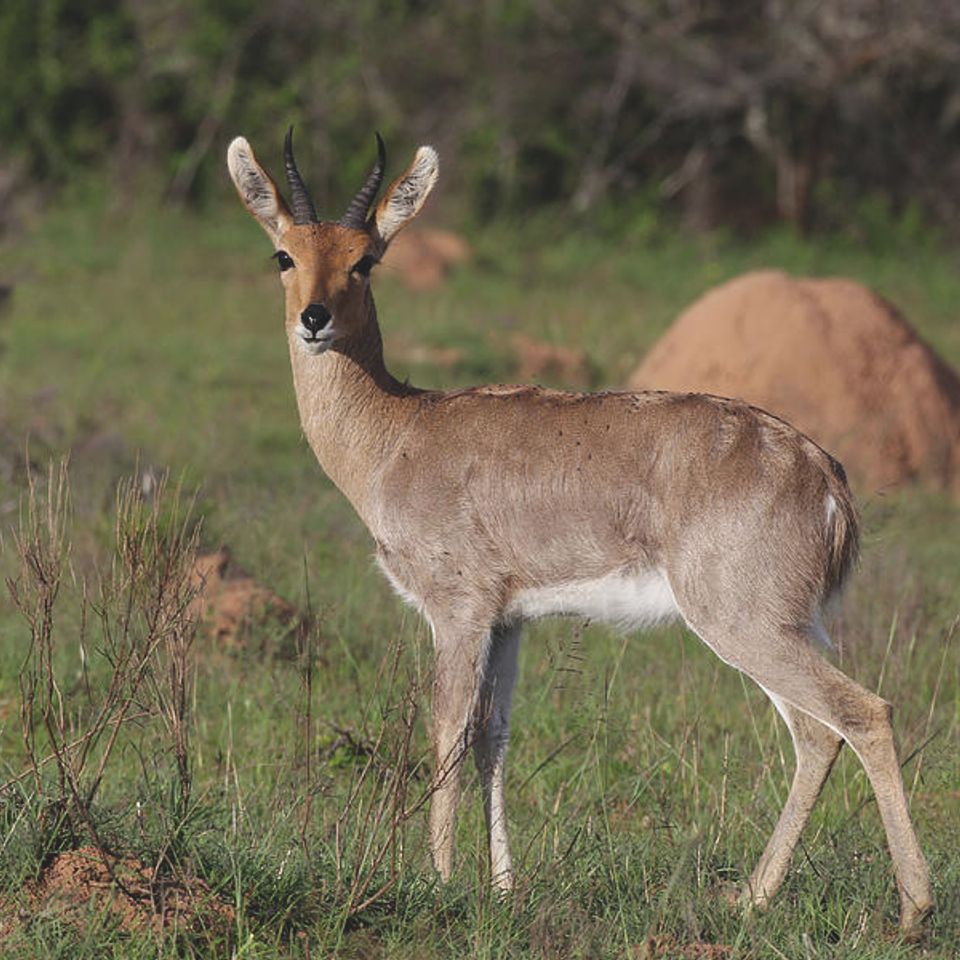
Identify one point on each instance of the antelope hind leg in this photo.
(816, 747)
(789, 669)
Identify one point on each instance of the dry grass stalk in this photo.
(135, 621)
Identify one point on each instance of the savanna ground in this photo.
(644, 775)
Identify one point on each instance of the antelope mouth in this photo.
(315, 343)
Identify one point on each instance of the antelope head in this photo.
(325, 265)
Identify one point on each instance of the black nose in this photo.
(315, 318)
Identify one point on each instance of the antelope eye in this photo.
(284, 260)
(364, 265)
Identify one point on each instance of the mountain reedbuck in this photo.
(498, 504)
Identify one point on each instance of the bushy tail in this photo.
(843, 531)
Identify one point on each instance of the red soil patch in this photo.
(238, 612)
(77, 887)
(831, 357)
(423, 257)
(667, 948)
(444, 357)
(536, 360)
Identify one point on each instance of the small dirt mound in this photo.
(668, 948)
(422, 258)
(239, 613)
(446, 358)
(536, 360)
(834, 359)
(77, 887)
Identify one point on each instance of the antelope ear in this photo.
(257, 190)
(405, 196)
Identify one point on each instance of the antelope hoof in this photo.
(444, 867)
(747, 898)
(913, 917)
(503, 883)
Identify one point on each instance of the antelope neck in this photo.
(352, 409)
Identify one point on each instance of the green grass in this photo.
(643, 774)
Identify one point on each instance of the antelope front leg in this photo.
(459, 661)
(490, 745)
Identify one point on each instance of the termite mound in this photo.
(834, 359)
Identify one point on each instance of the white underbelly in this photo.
(630, 601)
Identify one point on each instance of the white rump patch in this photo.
(406, 195)
(628, 601)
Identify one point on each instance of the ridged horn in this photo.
(356, 215)
(300, 202)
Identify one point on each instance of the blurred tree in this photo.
(733, 111)
(804, 82)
